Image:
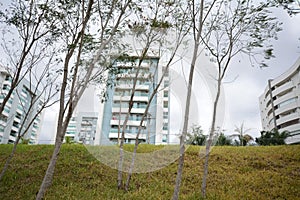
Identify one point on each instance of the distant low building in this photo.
(280, 104)
(15, 110)
(83, 127)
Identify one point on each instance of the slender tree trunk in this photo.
(132, 161)
(138, 134)
(11, 155)
(121, 158)
(185, 127)
(197, 35)
(63, 123)
(209, 142)
(50, 170)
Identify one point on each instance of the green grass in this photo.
(234, 173)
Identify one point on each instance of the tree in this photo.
(197, 17)
(164, 25)
(31, 55)
(223, 140)
(291, 6)
(89, 54)
(241, 131)
(196, 137)
(35, 31)
(236, 27)
(273, 137)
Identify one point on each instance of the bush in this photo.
(273, 137)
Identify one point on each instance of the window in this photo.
(1, 128)
(6, 109)
(165, 126)
(166, 104)
(166, 93)
(164, 138)
(6, 87)
(166, 83)
(165, 115)
(13, 133)
(16, 124)
(286, 102)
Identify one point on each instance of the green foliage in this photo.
(196, 137)
(234, 173)
(273, 137)
(69, 140)
(223, 140)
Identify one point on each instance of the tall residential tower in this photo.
(17, 110)
(155, 128)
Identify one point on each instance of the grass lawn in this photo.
(271, 172)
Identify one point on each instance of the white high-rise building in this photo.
(155, 128)
(17, 110)
(280, 103)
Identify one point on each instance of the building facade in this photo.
(155, 127)
(280, 103)
(82, 128)
(21, 108)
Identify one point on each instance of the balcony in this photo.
(7, 82)
(141, 75)
(129, 123)
(291, 128)
(130, 86)
(293, 139)
(17, 120)
(127, 135)
(287, 107)
(127, 98)
(283, 88)
(3, 123)
(5, 113)
(118, 110)
(138, 110)
(19, 111)
(12, 138)
(14, 128)
(287, 118)
(283, 98)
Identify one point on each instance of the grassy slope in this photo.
(234, 173)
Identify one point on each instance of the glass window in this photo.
(166, 115)
(166, 93)
(164, 138)
(166, 104)
(165, 126)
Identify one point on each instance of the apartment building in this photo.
(17, 110)
(155, 128)
(280, 103)
(83, 127)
